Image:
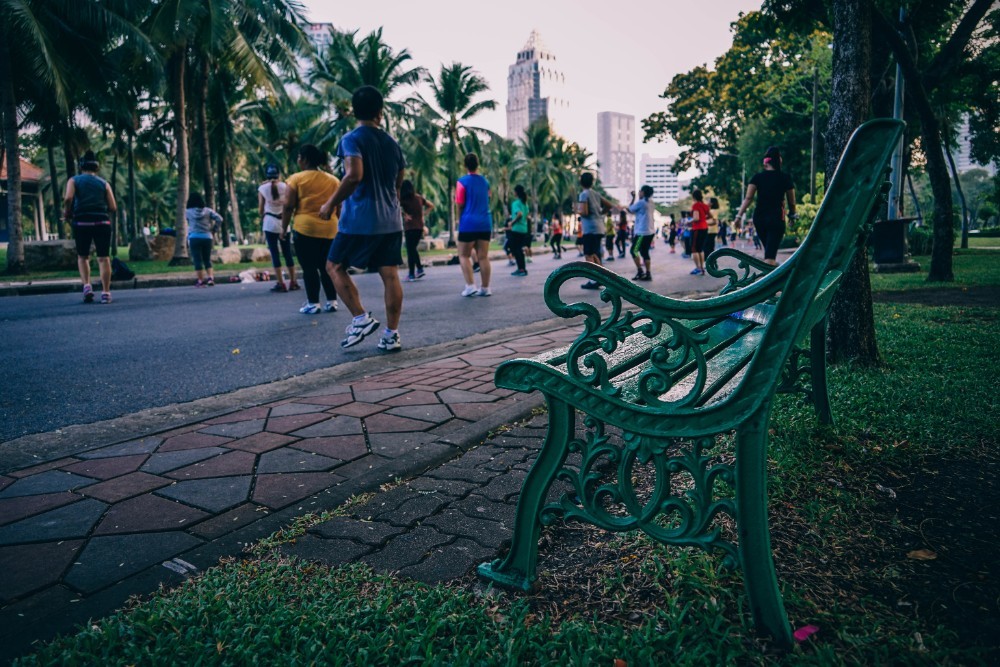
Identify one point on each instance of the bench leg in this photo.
(517, 570)
(761, 582)
(817, 366)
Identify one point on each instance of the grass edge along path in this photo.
(841, 555)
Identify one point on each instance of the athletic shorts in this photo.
(698, 237)
(472, 237)
(367, 251)
(592, 244)
(97, 233)
(640, 245)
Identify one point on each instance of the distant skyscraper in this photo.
(616, 149)
(963, 156)
(656, 173)
(534, 88)
(320, 34)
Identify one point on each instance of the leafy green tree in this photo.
(453, 93)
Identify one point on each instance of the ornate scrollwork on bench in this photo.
(748, 269)
(681, 509)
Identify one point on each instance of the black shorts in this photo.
(640, 246)
(471, 237)
(592, 244)
(367, 251)
(97, 233)
(698, 237)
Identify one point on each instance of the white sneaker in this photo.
(309, 308)
(330, 306)
(470, 291)
(390, 342)
(485, 291)
(358, 332)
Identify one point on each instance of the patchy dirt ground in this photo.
(988, 297)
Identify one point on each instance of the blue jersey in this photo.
(476, 215)
(373, 207)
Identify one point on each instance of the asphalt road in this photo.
(70, 363)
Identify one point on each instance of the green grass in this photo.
(657, 605)
(972, 268)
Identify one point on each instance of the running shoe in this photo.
(88, 294)
(293, 286)
(411, 278)
(610, 258)
(330, 306)
(645, 277)
(638, 276)
(105, 297)
(390, 342)
(485, 291)
(309, 308)
(358, 332)
(590, 284)
(420, 274)
(470, 291)
(199, 283)
(210, 282)
(510, 262)
(696, 272)
(519, 273)
(279, 287)
(475, 267)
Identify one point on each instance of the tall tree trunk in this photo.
(223, 201)
(961, 194)
(852, 321)
(116, 216)
(8, 109)
(234, 204)
(943, 215)
(178, 61)
(203, 138)
(56, 192)
(132, 216)
(451, 190)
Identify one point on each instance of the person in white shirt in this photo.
(271, 197)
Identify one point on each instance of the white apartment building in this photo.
(963, 153)
(535, 88)
(320, 34)
(656, 173)
(616, 150)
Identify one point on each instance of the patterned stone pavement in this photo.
(80, 534)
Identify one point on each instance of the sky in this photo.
(616, 56)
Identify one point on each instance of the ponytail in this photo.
(274, 189)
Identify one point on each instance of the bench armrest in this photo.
(751, 267)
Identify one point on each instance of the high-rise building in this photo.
(534, 88)
(616, 150)
(656, 172)
(320, 34)
(963, 156)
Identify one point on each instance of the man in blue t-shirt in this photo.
(371, 224)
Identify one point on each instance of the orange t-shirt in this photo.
(314, 188)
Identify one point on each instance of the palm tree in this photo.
(56, 41)
(351, 62)
(453, 93)
(536, 164)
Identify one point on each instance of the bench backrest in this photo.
(836, 234)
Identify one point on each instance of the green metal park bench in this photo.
(671, 376)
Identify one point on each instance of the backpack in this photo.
(120, 270)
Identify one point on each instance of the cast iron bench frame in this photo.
(673, 375)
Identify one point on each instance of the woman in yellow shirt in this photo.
(307, 191)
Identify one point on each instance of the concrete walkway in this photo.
(109, 513)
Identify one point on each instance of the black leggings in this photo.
(555, 242)
(312, 253)
(621, 241)
(518, 241)
(413, 237)
(770, 232)
(274, 242)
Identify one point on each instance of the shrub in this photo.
(921, 239)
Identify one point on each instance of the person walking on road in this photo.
(518, 230)
(270, 203)
(589, 205)
(202, 224)
(775, 188)
(88, 205)
(313, 233)
(556, 237)
(643, 232)
(609, 237)
(414, 206)
(713, 226)
(699, 231)
(371, 222)
(472, 195)
(621, 237)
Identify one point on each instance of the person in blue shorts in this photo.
(371, 223)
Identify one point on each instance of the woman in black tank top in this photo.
(773, 189)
